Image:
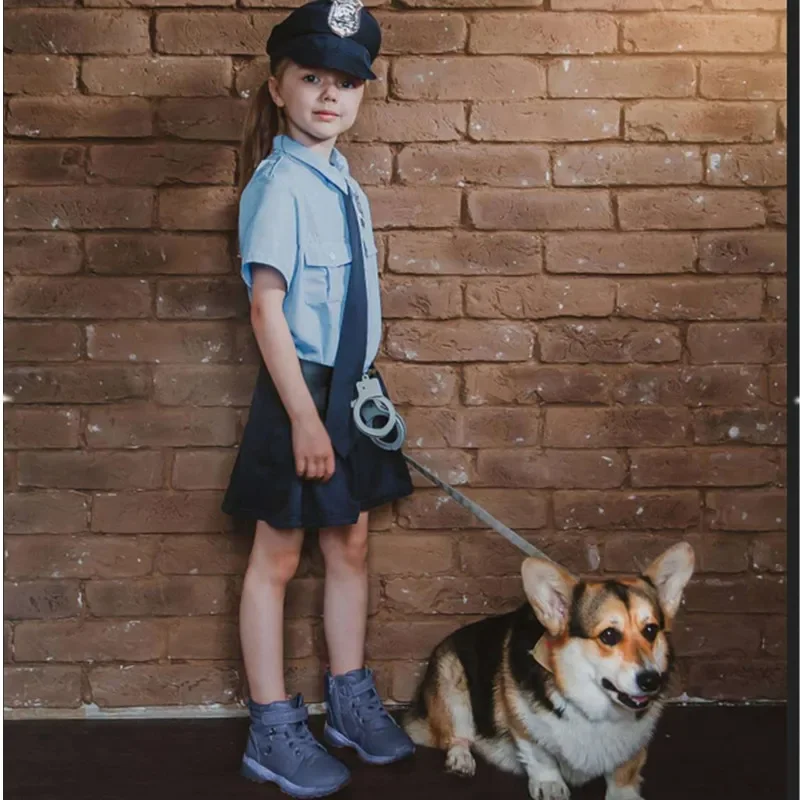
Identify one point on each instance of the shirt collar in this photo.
(336, 170)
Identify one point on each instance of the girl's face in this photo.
(319, 104)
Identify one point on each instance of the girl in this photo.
(310, 264)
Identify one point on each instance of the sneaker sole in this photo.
(258, 773)
(337, 739)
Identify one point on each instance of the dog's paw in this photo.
(548, 790)
(460, 761)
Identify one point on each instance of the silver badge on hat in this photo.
(344, 18)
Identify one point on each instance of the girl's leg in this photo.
(273, 562)
(346, 593)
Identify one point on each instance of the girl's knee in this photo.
(345, 547)
(275, 556)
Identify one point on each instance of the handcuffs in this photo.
(375, 415)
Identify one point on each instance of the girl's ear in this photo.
(549, 589)
(274, 91)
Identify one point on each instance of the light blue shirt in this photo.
(292, 218)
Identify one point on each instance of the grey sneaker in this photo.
(281, 749)
(356, 718)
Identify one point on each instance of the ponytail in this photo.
(262, 125)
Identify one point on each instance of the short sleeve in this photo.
(268, 228)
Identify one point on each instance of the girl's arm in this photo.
(313, 453)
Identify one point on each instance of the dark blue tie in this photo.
(351, 352)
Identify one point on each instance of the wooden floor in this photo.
(699, 753)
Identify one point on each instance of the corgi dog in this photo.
(565, 689)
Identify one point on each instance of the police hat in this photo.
(340, 35)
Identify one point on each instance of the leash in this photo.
(376, 417)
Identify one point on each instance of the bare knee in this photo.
(275, 556)
(345, 548)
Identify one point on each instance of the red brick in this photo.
(467, 78)
(416, 554)
(703, 467)
(455, 595)
(609, 342)
(542, 33)
(710, 635)
(43, 164)
(540, 209)
(410, 122)
(210, 208)
(706, 33)
(409, 32)
(626, 5)
(499, 427)
(42, 686)
(532, 384)
(699, 121)
(403, 640)
(169, 427)
(91, 640)
(205, 638)
(626, 509)
(79, 208)
(415, 207)
(735, 5)
(24, 74)
(748, 426)
(774, 637)
(77, 32)
(80, 469)
(47, 341)
(154, 165)
(212, 118)
(159, 596)
(770, 553)
(406, 677)
(743, 78)
(160, 342)
(370, 164)
(734, 680)
(204, 386)
(158, 76)
(462, 340)
(42, 253)
(432, 427)
(38, 428)
(627, 77)
(619, 253)
(157, 254)
(456, 165)
(775, 201)
(746, 343)
(201, 299)
(539, 298)
(777, 300)
(545, 121)
(455, 467)
(80, 556)
(756, 594)
(777, 385)
(664, 209)
(431, 509)
(41, 599)
(77, 298)
(663, 298)
(79, 116)
(464, 253)
(45, 512)
(211, 32)
(202, 469)
(420, 385)
(551, 469)
(615, 427)
(8, 642)
(745, 251)
(203, 554)
(747, 165)
(471, 3)
(421, 298)
(747, 511)
(157, 512)
(162, 684)
(84, 384)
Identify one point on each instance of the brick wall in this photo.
(581, 213)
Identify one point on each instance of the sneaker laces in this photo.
(369, 707)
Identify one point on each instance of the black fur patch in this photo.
(620, 591)
(576, 627)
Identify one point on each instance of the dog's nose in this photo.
(649, 680)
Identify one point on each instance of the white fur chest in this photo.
(584, 748)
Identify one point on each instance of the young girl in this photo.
(310, 264)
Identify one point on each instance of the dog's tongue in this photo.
(639, 698)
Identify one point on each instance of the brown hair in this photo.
(262, 125)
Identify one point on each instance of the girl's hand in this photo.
(313, 452)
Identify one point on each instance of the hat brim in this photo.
(328, 51)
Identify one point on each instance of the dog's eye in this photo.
(610, 636)
(650, 632)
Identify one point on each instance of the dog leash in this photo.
(376, 417)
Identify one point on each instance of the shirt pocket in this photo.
(325, 271)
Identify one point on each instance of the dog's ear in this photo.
(670, 573)
(549, 589)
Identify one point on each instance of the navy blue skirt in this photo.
(264, 484)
